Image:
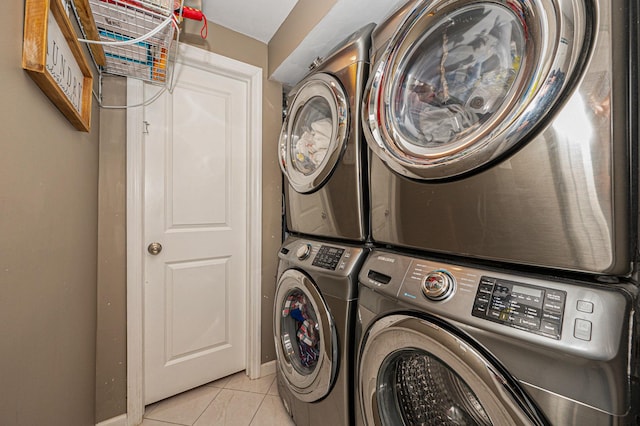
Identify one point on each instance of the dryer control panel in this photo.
(328, 257)
(536, 309)
(311, 255)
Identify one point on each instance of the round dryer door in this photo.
(462, 83)
(314, 133)
(415, 371)
(305, 337)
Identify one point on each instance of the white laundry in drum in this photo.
(313, 144)
(440, 124)
(461, 85)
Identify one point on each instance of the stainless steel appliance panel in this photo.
(562, 200)
(336, 207)
(324, 273)
(580, 368)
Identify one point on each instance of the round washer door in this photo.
(314, 133)
(414, 371)
(305, 337)
(463, 83)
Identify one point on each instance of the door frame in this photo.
(252, 76)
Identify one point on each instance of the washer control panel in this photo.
(579, 318)
(535, 309)
(328, 257)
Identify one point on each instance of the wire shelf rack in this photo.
(124, 25)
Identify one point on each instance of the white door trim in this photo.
(135, 203)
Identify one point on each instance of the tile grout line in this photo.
(246, 391)
(264, 397)
(258, 410)
(220, 389)
(249, 391)
(165, 422)
(207, 407)
(236, 390)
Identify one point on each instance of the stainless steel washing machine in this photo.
(447, 344)
(322, 153)
(314, 320)
(507, 130)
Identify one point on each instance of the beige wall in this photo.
(304, 16)
(111, 333)
(48, 239)
(111, 338)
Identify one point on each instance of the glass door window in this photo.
(460, 84)
(457, 76)
(416, 388)
(314, 133)
(415, 370)
(299, 330)
(311, 135)
(304, 333)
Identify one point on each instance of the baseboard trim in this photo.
(268, 368)
(115, 421)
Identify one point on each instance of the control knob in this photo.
(438, 285)
(303, 251)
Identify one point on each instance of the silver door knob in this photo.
(154, 248)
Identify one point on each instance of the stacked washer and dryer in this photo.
(323, 157)
(486, 244)
(504, 208)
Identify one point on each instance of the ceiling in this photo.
(260, 19)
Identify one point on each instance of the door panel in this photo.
(196, 294)
(199, 171)
(195, 207)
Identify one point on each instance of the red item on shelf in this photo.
(196, 15)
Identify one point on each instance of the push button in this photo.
(551, 328)
(549, 316)
(479, 308)
(485, 289)
(582, 329)
(555, 296)
(552, 306)
(584, 306)
(494, 314)
(532, 323)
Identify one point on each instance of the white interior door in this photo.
(195, 206)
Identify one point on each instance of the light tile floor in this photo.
(233, 401)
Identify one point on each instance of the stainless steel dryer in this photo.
(322, 154)
(314, 319)
(444, 344)
(507, 130)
